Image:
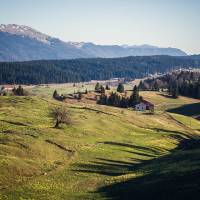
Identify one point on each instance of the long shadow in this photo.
(116, 167)
(172, 176)
(174, 134)
(155, 151)
(187, 110)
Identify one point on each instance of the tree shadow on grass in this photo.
(172, 176)
(178, 135)
(187, 110)
(111, 167)
(133, 146)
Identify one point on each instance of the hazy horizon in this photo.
(173, 23)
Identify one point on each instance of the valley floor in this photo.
(107, 152)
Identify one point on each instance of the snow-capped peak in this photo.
(78, 45)
(24, 31)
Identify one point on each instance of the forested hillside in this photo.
(186, 83)
(76, 70)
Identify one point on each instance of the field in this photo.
(107, 152)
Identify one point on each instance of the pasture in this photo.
(107, 152)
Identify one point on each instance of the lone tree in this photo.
(97, 87)
(120, 88)
(60, 115)
(107, 87)
(55, 94)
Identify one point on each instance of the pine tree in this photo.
(120, 88)
(140, 86)
(102, 99)
(18, 91)
(102, 90)
(107, 87)
(156, 86)
(135, 97)
(175, 92)
(117, 100)
(124, 102)
(198, 91)
(55, 94)
(97, 87)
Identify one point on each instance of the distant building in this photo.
(144, 105)
(4, 89)
(7, 87)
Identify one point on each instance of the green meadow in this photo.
(106, 153)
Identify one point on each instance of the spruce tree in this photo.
(55, 94)
(19, 91)
(120, 88)
(107, 87)
(135, 97)
(175, 92)
(124, 102)
(102, 89)
(97, 87)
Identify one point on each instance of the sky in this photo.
(164, 23)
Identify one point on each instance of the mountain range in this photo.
(23, 43)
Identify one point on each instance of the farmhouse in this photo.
(5, 89)
(144, 105)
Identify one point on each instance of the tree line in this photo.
(79, 70)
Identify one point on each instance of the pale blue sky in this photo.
(174, 23)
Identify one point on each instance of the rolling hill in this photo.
(139, 155)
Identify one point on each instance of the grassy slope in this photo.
(102, 150)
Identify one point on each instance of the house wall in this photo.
(140, 107)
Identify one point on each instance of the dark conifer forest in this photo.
(77, 70)
(186, 83)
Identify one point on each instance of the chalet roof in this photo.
(8, 86)
(147, 103)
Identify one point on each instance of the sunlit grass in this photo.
(102, 147)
